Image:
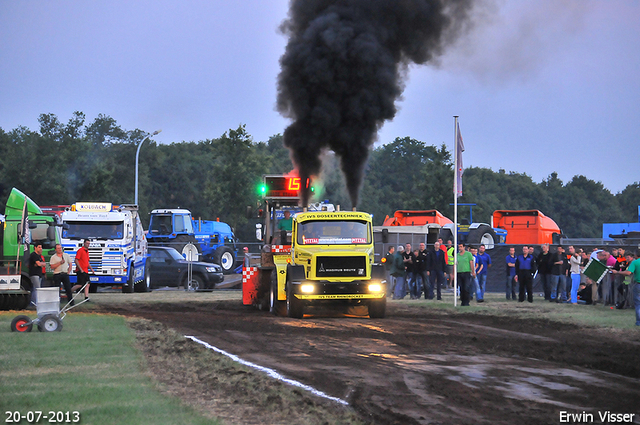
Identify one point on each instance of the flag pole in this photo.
(455, 210)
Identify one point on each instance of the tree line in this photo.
(63, 163)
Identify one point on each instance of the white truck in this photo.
(118, 249)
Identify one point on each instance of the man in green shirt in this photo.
(634, 271)
(286, 222)
(284, 227)
(465, 270)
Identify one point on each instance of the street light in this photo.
(138, 155)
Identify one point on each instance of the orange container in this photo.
(529, 227)
(416, 218)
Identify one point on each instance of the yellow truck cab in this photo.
(330, 260)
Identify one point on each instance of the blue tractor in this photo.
(175, 228)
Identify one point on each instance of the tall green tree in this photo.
(492, 191)
(231, 177)
(74, 161)
(406, 174)
(629, 202)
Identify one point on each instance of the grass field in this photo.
(91, 367)
(95, 366)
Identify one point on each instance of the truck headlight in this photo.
(307, 288)
(375, 287)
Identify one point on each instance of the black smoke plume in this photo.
(344, 67)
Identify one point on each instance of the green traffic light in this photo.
(262, 189)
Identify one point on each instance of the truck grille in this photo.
(341, 267)
(95, 259)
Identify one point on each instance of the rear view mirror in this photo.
(385, 235)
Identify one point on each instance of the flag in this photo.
(26, 234)
(459, 167)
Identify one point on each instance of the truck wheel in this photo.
(295, 309)
(276, 307)
(22, 301)
(147, 277)
(21, 324)
(482, 235)
(50, 323)
(225, 258)
(128, 288)
(378, 308)
(25, 284)
(8, 302)
(145, 284)
(182, 241)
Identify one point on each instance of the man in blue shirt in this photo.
(479, 267)
(525, 268)
(511, 274)
(482, 276)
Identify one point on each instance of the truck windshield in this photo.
(161, 224)
(94, 230)
(333, 233)
(167, 224)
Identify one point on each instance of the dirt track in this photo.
(427, 368)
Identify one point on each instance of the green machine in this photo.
(23, 225)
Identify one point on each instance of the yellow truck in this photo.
(327, 258)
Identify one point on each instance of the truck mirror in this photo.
(385, 235)
(258, 232)
(33, 225)
(51, 233)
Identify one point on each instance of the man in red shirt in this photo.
(82, 269)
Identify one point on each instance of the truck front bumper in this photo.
(102, 279)
(309, 290)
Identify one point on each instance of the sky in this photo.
(540, 86)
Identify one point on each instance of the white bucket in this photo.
(48, 301)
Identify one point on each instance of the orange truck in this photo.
(416, 218)
(512, 227)
(529, 227)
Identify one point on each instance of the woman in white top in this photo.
(574, 261)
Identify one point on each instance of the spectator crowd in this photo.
(575, 276)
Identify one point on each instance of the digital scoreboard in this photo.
(282, 187)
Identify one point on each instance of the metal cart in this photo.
(50, 314)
